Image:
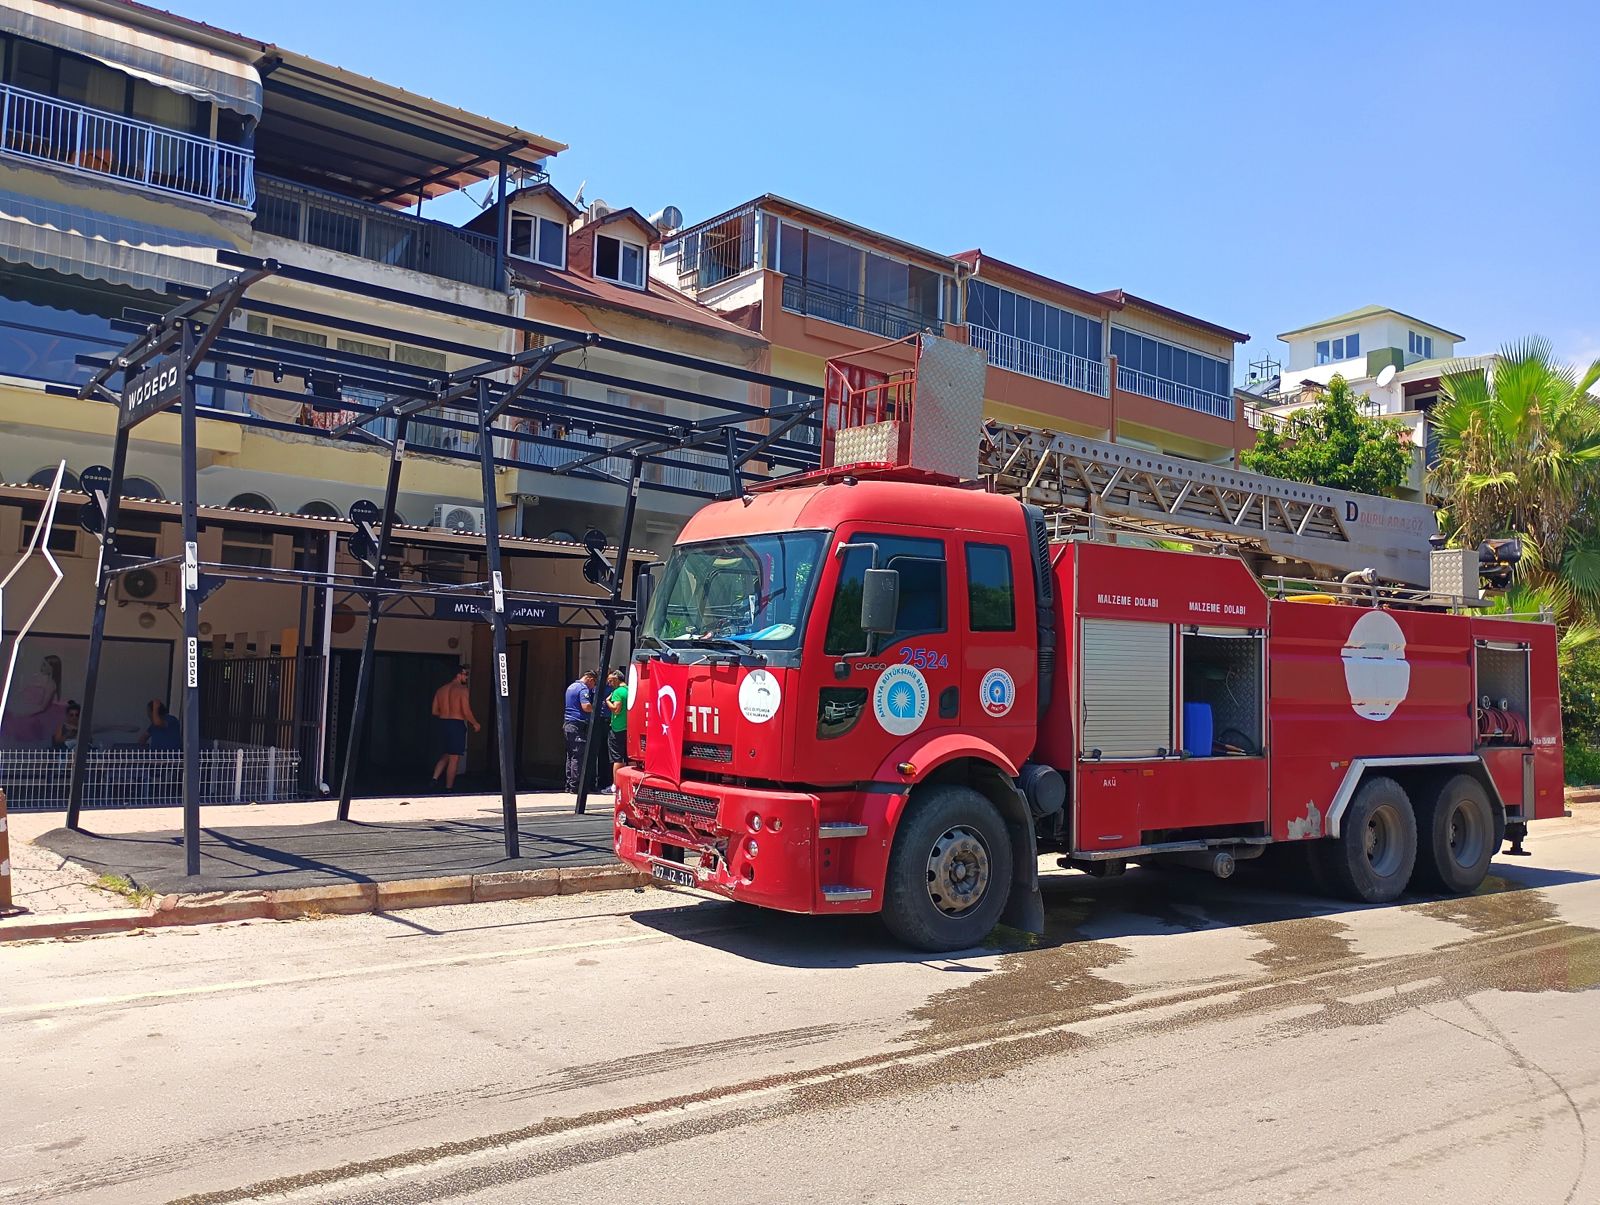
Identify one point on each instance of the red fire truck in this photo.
(891, 684)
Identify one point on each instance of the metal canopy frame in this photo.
(161, 368)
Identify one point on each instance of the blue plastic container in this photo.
(1197, 729)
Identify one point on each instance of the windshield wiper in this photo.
(668, 653)
(725, 642)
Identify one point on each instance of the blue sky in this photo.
(1260, 166)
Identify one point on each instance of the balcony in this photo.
(325, 219)
(715, 251)
(103, 144)
(1131, 380)
(851, 309)
(1040, 362)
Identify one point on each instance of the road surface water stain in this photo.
(1021, 1012)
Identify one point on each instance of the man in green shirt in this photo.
(617, 738)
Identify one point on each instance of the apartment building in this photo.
(1395, 362)
(1108, 365)
(135, 146)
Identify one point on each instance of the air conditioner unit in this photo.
(157, 585)
(467, 519)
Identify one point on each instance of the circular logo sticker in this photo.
(633, 683)
(900, 699)
(759, 696)
(998, 691)
(1376, 672)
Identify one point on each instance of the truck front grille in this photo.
(677, 801)
(707, 752)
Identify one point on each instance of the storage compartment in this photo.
(1127, 689)
(1222, 688)
(1502, 694)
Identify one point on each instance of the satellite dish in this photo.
(1386, 375)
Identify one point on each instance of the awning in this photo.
(83, 242)
(141, 52)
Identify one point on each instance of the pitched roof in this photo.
(1124, 298)
(1366, 311)
(978, 261)
(657, 300)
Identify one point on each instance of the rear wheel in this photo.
(949, 872)
(1371, 859)
(1457, 835)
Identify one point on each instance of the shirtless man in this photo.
(453, 712)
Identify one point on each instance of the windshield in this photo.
(752, 590)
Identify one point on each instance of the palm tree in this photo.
(1519, 452)
(1549, 599)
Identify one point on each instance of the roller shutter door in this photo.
(1127, 687)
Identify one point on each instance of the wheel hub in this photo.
(1383, 841)
(1467, 835)
(958, 870)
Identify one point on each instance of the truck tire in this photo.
(949, 872)
(1371, 859)
(1456, 837)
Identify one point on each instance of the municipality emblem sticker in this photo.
(900, 700)
(999, 692)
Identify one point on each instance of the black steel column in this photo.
(302, 560)
(607, 636)
(191, 609)
(97, 629)
(497, 618)
(380, 577)
(502, 225)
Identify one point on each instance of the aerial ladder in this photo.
(1280, 527)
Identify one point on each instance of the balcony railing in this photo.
(1187, 396)
(852, 309)
(98, 143)
(1038, 361)
(325, 219)
(714, 252)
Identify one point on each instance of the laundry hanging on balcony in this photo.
(140, 52)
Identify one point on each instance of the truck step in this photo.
(840, 828)
(845, 895)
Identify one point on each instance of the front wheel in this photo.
(950, 870)
(1457, 836)
(1371, 859)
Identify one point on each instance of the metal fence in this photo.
(325, 219)
(36, 779)
(1131, 380)
(715, 251)
(1039, 361)
(105, 144)
(852, 309)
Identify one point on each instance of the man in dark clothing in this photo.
(163, 732)
(575, 710)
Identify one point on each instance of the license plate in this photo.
(673, 874)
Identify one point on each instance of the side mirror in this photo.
(644, 588)
(880, 601)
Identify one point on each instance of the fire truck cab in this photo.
(881, 689)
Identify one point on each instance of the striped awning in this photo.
(139, 51)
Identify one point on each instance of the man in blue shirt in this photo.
(163, 732)
(575, 711)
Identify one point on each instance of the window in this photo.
(541, 239)
(996, 309)
(63, 536)
(139, 535)
(251, 501)
(142, 487)
(320, 510)
(619, 260)
(844, 273)
(1178, 365)
(1421, 345)
(1331, 351)
(250, 546)
(922, 591)
(47, 476)
(991, 606)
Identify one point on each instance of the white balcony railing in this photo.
(98, 143)
(1036, 360)
(1133, 381)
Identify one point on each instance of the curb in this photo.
(342, 899)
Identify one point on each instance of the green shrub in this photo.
(1580, 697)
(1583, 765)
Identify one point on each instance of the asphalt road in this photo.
(1171, 1039)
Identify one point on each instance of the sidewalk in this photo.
(293, 858)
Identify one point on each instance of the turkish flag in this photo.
(665, 697)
